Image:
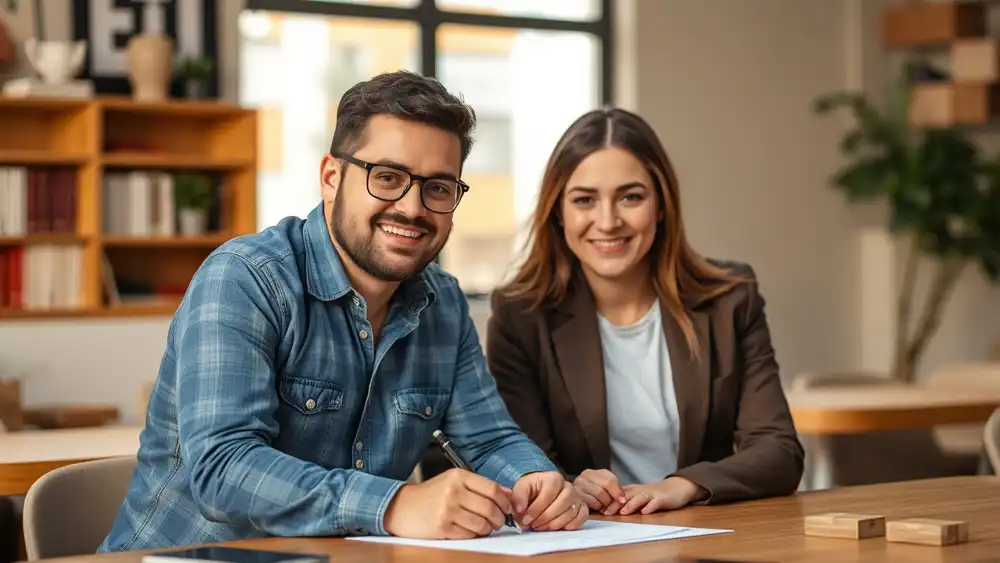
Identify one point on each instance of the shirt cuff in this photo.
(364, 502)
(513, 472)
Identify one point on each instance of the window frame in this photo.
(429, 17)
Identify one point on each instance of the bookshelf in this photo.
(91, 206)
(968, 92)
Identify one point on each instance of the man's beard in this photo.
(360, 247)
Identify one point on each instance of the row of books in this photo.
(41, 277)
(37, 200)
(139, 203)
(143, 203)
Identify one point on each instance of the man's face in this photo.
(391, 241)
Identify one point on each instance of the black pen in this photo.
(457, 461)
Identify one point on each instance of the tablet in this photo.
(232, 555)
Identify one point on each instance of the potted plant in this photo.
(193, 195)
(195, 72)
(943, 199)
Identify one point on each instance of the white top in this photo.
(643, 422)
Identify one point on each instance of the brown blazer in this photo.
(737, 438)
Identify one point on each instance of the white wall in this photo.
(728, 85)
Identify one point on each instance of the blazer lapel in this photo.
(692, 379)
(581, 364)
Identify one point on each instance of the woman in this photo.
(645, 371)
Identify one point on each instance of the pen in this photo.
(457, 461)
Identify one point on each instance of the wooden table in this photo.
(27, 455)
(765, 530)
(860, 408)
(856, 409)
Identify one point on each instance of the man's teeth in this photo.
(610, 243)
(393, 230)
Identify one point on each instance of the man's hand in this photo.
(669, 494)
(456, 504)
(599, 488)
(544, 501)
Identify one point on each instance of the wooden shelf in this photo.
(175, 108)
(42, 239)
(41, 158)
(154, 308)
(206, 241)
(85, 144)
(933, 24)
(8, 313)
(140, 160)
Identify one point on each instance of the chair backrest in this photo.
(70, 510)
(991, 440)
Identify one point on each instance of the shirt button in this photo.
(359, 464)
(358, 446)
(357, 302)
(363, 334)
(310, 404)
(428, 411)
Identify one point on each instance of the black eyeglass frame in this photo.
(414, 178)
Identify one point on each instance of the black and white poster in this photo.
(107, 25)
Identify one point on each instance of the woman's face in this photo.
(609, 212)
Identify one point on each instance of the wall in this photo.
(728, 86)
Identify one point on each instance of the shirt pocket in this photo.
(311, 396)
(309, 418)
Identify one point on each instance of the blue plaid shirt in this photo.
(274, 413)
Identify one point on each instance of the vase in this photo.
(150, 65)
(194, 89)
(57, 62)
(192, 222)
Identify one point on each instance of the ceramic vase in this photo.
(150, 66)
(192, 222)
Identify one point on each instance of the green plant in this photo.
(193, 191)
(196, 69)
(943, 197)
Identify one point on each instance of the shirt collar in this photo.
(325, 275)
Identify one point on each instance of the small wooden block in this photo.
(975, 60)
(845, 525)
(927, 531)
(943, 105)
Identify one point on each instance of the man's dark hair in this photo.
(406, 95)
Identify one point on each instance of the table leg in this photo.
(818, 474)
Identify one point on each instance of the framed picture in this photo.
(107, 25)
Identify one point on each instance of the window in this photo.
(529, 68)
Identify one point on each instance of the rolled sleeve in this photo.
(479, 424)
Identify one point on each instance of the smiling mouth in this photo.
(400, 233)
(611, 245)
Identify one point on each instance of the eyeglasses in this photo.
(389, 183)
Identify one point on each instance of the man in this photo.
(309, 364)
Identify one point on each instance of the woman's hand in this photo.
(599, 488)
(670, 494)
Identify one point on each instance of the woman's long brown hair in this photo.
(681, 276)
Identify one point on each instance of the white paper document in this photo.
(594, 533)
